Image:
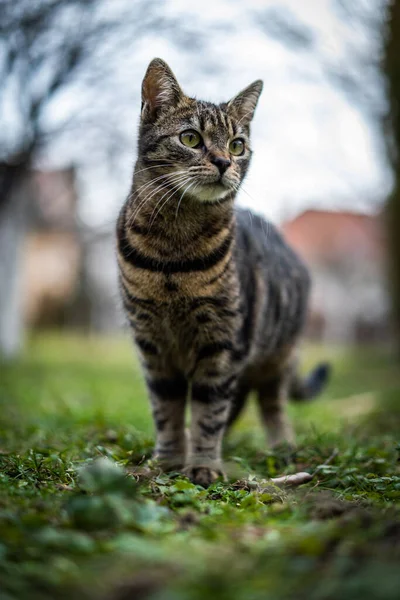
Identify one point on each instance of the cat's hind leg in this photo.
(273, 399)
(238, 403)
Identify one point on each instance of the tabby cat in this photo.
(215, 298)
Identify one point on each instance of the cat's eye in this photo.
(236, 147)
(191, 138)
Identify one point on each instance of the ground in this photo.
(72, 526)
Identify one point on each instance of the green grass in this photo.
(74, 527)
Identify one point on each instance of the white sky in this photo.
(312, 148)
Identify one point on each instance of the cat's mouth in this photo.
(208, 188)
(211, 191)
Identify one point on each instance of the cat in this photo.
(215, 298)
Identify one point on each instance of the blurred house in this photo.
(106, 313)
(52, 253)
(69, 271)
(346, 254)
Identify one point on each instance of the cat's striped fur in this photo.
(215, 298)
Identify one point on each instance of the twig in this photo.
(326, 463)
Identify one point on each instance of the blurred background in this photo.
(326, 171)
(324, 135)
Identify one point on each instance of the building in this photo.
(52, 253)
(346, 253)
(69, 274)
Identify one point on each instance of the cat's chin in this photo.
(211, 192)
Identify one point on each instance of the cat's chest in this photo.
(174, 287)
(180, 329)
(180, 325)
(169, 268)
(177, 334)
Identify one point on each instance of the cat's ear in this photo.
(244, 104)
(160, 89)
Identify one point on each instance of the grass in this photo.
(72, 526)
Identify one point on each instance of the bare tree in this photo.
(40, 53)
(392, 128)
(356, 71)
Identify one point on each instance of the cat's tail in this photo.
(310, 386)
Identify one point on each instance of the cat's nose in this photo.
(221, 163)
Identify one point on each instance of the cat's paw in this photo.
(167, 464)
(203, 476)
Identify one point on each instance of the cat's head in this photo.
(200, 147)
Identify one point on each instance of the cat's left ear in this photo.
(244, 104)
(160, 89)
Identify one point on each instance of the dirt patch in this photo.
(324, 505)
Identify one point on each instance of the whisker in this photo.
(246, 192)
(268, 224)
(177, 186)
(145, 185)
(144, 201)
(153, 167)
(173, 177)
(173, 185)
(174, 189)
(184, 192)
(135, 192)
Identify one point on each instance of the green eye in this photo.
(190, 138)
(236, 147)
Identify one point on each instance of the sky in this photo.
(313, 147)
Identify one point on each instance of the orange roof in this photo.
(325, 236)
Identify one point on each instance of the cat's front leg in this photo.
(168, 394)
(211, 405)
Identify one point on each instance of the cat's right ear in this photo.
(160, 89)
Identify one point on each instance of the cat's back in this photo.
(274, 281)
(260, 241)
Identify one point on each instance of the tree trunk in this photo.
(392, 68)
(13, 191)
